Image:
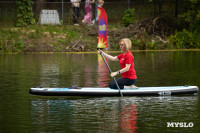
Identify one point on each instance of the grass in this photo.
(48, 38)
(37, 38)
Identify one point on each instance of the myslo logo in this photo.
(179, 124)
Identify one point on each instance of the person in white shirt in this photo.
(99, 4)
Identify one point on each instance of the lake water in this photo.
(24, 113)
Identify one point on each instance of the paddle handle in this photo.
(111, 72)
(106, 62)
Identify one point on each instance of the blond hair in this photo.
(127, 42)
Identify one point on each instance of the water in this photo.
(21, 112)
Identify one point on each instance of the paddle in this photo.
(111, 72)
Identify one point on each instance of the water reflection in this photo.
(124, 115)
(63, 70)
(51, 115)
(153, 69)
(128, 118)
(47, 70)
(88, 76)
(101, 114)
(103, 72)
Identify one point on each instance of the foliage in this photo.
(11, 46)
(128, 17)
(43, 38)
(192, 17)
(189, 38)
(24, 13)
(192, 14)
(186, 39)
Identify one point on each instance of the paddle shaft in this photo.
(111, 72)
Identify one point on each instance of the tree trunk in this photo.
(176, 8)
(38, 6)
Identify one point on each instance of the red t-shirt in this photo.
(127, 58)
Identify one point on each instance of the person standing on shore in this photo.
(99, 4)
(88, 9)
(76, 11)
(126, 60)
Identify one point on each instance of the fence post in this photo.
(95, 11)
(160, 7)
(62, 11)
(176, 8)
(128, 4)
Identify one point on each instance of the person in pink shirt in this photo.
(88, 9)
(126, 60)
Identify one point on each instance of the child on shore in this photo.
(88, 9)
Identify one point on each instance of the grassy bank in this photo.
(39, 38)
(69, 38)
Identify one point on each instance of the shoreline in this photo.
(73, 39)
(94, 52)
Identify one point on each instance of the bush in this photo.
(128, 17)
(24, 13)
(189, 38)
(185, 39)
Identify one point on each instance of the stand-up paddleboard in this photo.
(89, 91)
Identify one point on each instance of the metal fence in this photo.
(114, 10)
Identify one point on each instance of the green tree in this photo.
(129, 17)
(24, 13)
(192, 15)
(189, 37)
